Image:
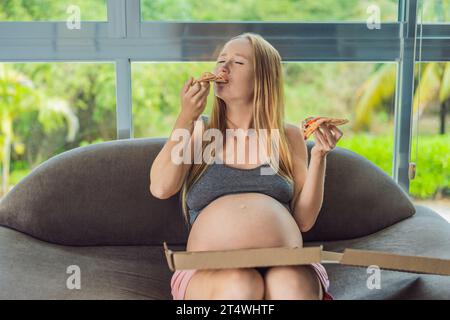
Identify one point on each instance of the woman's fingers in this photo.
(337, 133)
(204, 91)
(193, 90)
(187, 85)
(328, 135)
(319, 137)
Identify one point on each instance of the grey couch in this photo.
(91, 207)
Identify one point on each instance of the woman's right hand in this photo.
(193, 98)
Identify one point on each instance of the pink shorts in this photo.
(180, 280)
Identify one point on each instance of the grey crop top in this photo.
(220, 179)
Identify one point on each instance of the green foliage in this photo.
(85, 96)
(86, 143)
(266, 10)
(41, 10)
(436, 10)
(432, 167)
(156, 95)
(433, 173)
(18, 175)
(376, 89)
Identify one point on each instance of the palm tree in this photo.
(371, 94)
(434, 85)
(17, 96)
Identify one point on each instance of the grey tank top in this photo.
(220, 179)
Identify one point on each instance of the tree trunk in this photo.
(6, 156)
(443, 112)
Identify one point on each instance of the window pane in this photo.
(51, 10)
(431, 151)
(435, 11)
(268, 10)
(363, 93)
(48, 108)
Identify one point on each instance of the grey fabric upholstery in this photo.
(91, 207)
(425, 234)
(33, 269)
(95, 195)
(99, 195)
(359, 199)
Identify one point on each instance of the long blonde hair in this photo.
(268, 111)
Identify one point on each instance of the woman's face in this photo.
(236, 61)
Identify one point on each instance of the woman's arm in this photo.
(309, 182)
(308, 205)
(166, 176)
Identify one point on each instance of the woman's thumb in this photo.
(187, 85)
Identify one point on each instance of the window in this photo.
(431, 152)
(51, 10)
(48, 108)
(268, 10)
(435, 11)
(364, 93)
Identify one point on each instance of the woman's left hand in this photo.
(326, 137)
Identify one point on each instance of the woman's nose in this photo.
(223, 68)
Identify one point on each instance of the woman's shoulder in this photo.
(294, 134)
(292, 130)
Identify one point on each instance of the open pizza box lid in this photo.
(277, 256)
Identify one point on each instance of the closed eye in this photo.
(224, 61)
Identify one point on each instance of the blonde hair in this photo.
(268, 111)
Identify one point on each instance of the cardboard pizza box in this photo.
(278, 256)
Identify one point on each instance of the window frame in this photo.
(124, 38)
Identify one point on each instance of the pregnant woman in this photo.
(230, 204)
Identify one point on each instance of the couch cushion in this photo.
(425, 234)
(33, 269)
(95, 195)
(359, 198)
(99, 195)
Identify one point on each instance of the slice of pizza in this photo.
(222, 77)
(209, 76)
(311, 124)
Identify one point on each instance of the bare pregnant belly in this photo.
(243, 221)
